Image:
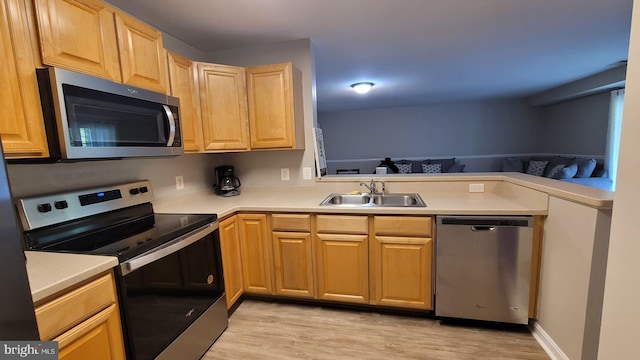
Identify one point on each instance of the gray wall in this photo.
(197, 171)
(478, 133)
(469, 131)
(577, 126)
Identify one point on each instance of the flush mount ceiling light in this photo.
(362, 87)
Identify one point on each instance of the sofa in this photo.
(427, 166)
(577, 170)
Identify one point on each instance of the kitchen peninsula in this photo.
(573, 251)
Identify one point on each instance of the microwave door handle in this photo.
(172, 125)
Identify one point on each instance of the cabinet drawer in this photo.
(403, 225)
(342, 224)
(68, 310)
(291, 222)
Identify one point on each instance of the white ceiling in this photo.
(415, 51)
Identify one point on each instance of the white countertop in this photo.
(507, 194)
(50, 272)
(306, 199)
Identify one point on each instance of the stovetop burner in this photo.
(114, 220)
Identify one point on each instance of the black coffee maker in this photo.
(226, 184)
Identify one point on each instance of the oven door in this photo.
(172, 297)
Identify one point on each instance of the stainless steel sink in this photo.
(375, 200)
(346, 199)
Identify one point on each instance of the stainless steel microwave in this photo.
(92, 118)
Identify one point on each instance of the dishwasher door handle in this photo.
(482, 228)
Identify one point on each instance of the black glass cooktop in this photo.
(125, 233)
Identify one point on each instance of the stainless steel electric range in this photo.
(169, 280)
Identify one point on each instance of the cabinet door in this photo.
(401, 272)
(256, 253)
(342, 267)
(22, 125)
(223, 104)
(98, 338)
(231, 259)
(182, 81)
(142, 56)
(79, 35)
(272, 110)
(293, 264)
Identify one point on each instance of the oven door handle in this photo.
(167, 248)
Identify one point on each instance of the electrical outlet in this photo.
(306, 173)
(284, 174)
(179, 182)
(476, 188)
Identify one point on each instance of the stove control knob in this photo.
(43, 208)
(144, 189)
(61, 204)
(134, 191)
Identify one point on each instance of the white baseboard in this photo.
(550, 347)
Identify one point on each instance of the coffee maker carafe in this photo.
(226, 184)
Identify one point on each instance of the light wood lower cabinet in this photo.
(401, 258)
(85, 321)
(341, 256)
(292, 255)
(257, 263)
(231, 259)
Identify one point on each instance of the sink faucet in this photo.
(371, 186)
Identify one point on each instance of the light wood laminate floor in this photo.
(271, 330)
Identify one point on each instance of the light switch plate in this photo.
(284, 174)
(179, 182)
(306, 173)
(476, 188)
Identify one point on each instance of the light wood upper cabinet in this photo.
(275, 107)
(341, 258)
(292, 255)
(401, 261)
(182, 81)
(22, 125)
(91, 37)
(85, 322)
(231, 259)
(142, 56)
(255, 247)
(223, 104)
(79, 35)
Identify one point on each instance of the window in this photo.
(613, 134)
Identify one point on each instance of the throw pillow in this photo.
(431, 168)
(551, 173)
(416, 165)
(536, 167)
(512, 164)
(567, 172)
(554, 162)
(403, 168)
(456, 168)
(585, 167)
(445, 164)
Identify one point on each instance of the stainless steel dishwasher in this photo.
(483, 267)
